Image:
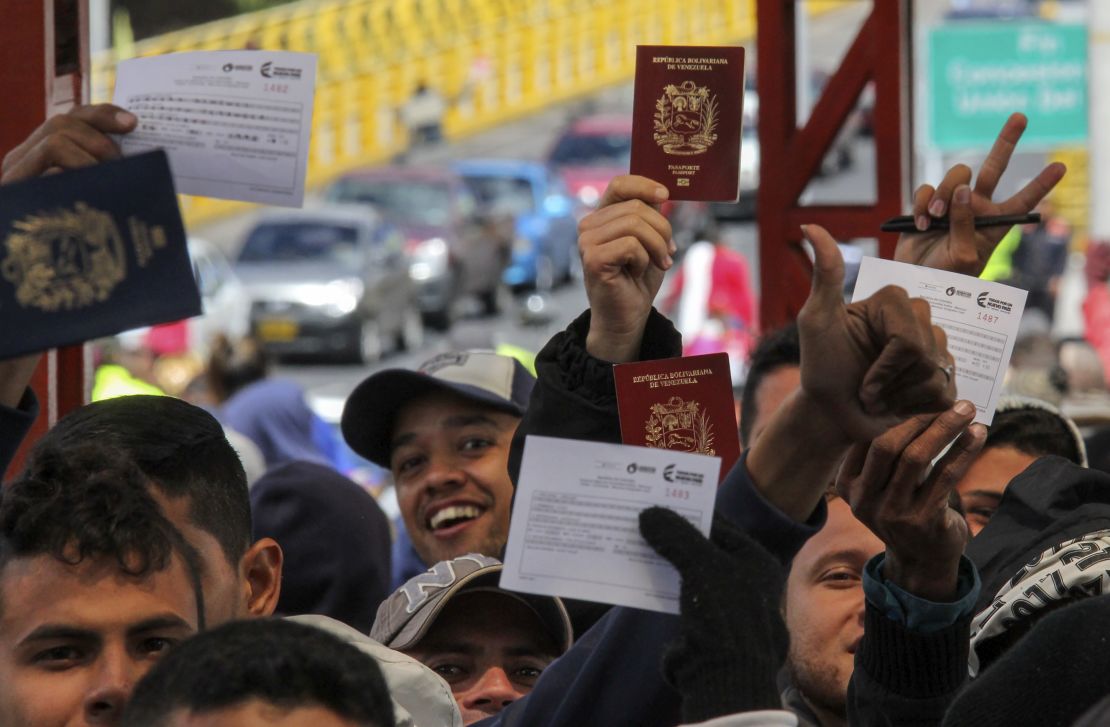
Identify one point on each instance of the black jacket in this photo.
(612, 675)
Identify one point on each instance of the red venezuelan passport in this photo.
(686, 119)
(679, 403)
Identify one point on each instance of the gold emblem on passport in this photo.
(64, 260)
(685, 119)
(681, 425)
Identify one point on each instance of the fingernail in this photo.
(805, 231)
(921, 222)
(936, 208)
(978, 431)
(124, 118)
(963, 194)
(672, 247)
(669, 261)
(661, 193)
(964, 408)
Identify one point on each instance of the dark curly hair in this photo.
(180, 448)
(90, 502)
(280, 662)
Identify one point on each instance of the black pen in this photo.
(906, 223)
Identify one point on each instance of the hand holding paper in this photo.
(575, 527)
(733, 639)
(895, 490)
(682, 404)
(980, 320)
(871, 364)
(235, 123)
(68, 141)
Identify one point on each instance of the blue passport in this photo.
(92, 252)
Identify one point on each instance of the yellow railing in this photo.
(495, 59)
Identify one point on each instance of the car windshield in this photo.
(302, 241)
(404, 202)
(593, 150)
(505, 195)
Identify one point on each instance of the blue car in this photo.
(545, 239)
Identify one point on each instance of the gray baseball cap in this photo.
(404, 618)
(484, 377)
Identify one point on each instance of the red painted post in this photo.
(44, 51)
(790, 156)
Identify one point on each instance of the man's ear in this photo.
(261, 576)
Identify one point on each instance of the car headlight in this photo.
(432, 247)
(429, 258)
(341, 297)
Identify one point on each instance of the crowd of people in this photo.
(876, 558)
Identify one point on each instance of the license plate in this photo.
(277, 330)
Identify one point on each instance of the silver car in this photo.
(332, 280)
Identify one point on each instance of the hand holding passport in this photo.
(91, 252)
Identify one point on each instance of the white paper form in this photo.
(235, 124)
(979, 317)
(575, 530)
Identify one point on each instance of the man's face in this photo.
(450, 462)
(256, 713)
(824, 607)
(773, 390)
(981, 488)
(490, 648)
(74, 640)
(224, 593)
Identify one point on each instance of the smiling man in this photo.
(95, 586)
(444, 432)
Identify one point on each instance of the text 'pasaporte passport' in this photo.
(687, 116)
(92, 252)
(683, 404)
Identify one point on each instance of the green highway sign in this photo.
(981, 73)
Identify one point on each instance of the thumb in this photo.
(828, 268)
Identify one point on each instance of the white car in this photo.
(227, 307)
(223, 298)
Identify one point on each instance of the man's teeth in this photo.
(456, 512)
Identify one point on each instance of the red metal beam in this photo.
(790, 157)
(37, 86)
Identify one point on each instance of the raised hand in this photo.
(626, 247)
(68, 141)
(962, 248)
(732, 641)
(865, 368)
(871, 364)
(891, 489)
